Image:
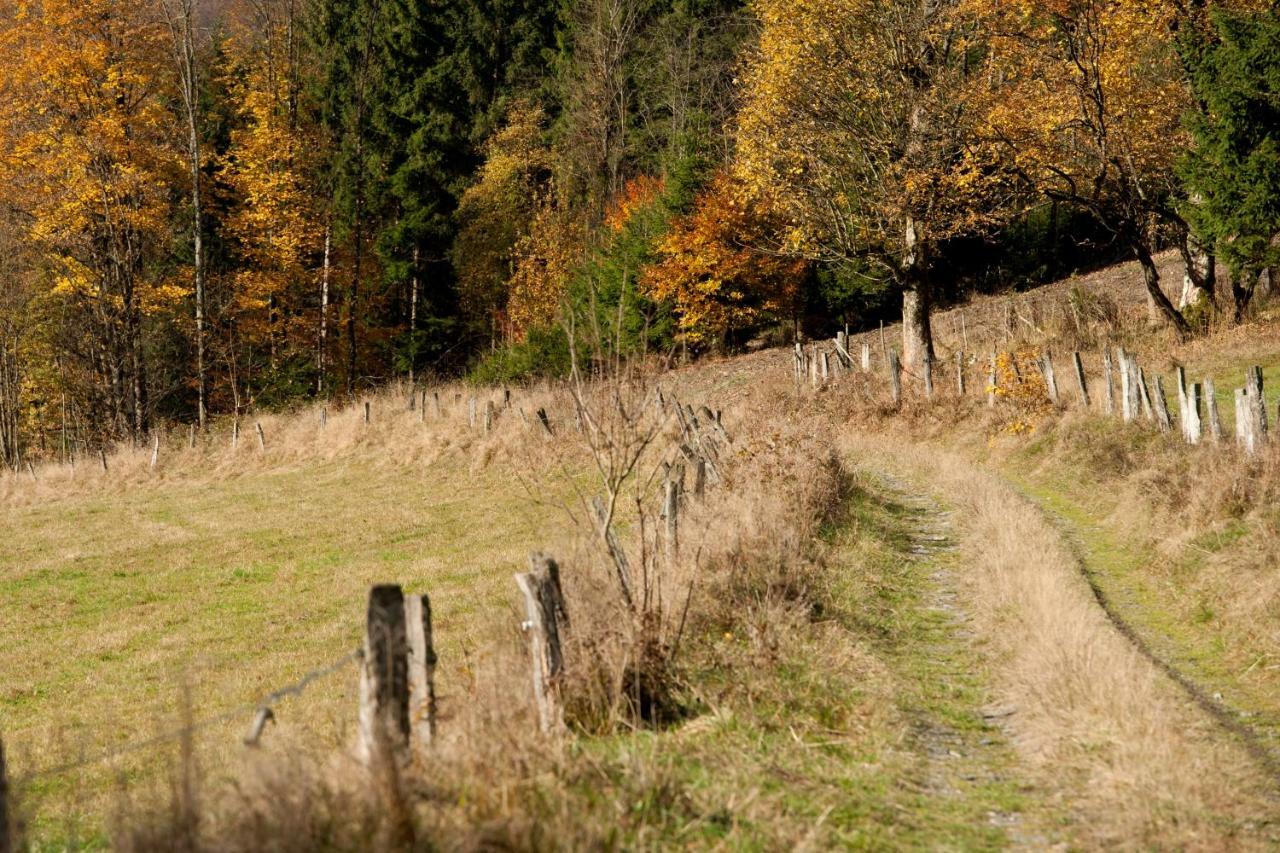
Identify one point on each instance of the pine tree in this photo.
(1234, 167)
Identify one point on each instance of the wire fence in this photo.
(295, 689)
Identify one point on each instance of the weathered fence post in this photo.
(992, 379)
(262, 438)
(797, 365)
(1050, 381)
(960, 373)
(1243, 439)
(671, 509)
(235, 433)
(488, 416)
(1192, 426)
(866, 358)
(6, 840)
(1180, 378)
(1109, 395)
(544, 609)
(102, 455)
(367, 413)
(1162, 406)
(384, 677)
(471, 412)
(927, 364)
(1257, 412)
(1128, 388)
(439, 410)
(155, 451)
(1211, 403)
(895, 377)
(422, 668)
(191, 437)
(324, 416)
(825, 367)
(1148, 410)
(1081, 383)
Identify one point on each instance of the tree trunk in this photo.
(322, 345)
(1199, 277)
(1242, 287)
(1156, 296)
(917, 333)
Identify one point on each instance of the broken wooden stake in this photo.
(1050, 381)
(545, 611)
(1081, 383)
(1161, 406)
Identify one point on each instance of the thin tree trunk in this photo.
(322, 345)
(1157, 297)
(413, 316)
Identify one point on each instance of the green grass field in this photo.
(114, 605)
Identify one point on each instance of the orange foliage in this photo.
(710, 271)
(637, 194)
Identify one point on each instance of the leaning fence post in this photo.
(895, 377)
(1081, 383)
(384, 675)
(1211, 403)
(262, 438)
(6, 842)
(544, 609)
(422, 668)
(1148, 410)
(1162, 406)
(546, 422)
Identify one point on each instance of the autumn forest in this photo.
(208, 206)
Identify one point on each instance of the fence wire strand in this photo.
(295, 689)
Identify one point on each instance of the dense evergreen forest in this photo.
(210, 206)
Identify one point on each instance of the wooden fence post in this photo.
(895, 377)
(544, 609)
(235, 433)
(797, 366)
(155, 451)
(928, 376)
(866, 358)
(671, 509)
(546, 422)
(992, 379)
(1257, 406)
(1211, 403)
(262, 438)
(422, 668)
(384, 676)
(1243, 438)
(102, 455)
(324, 416)
(1109, 391)
(1162, 406)
(1192, 426)
(366, 412)
(488, 416)
(1128, 388)
(825, 366)
(191, 437)
(960, 373)
(1180, 379)
(1144, 390)
(1050, 381)
(1081, 383)
(6, 840)
(471, 412)
(439, 411)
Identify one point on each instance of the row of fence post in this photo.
(1141, 396)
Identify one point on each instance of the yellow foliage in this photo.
(1021, 385)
